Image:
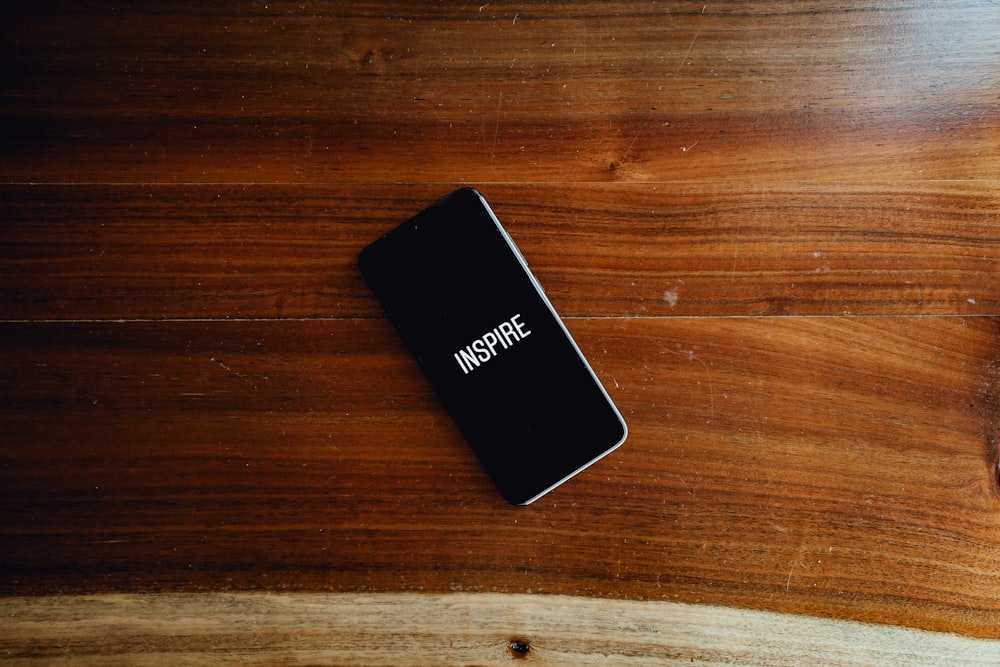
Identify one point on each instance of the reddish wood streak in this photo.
(990, 409)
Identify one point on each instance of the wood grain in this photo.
(461, 629)
(773, 228)
(772, 463)
(613, 250)
(390, 92)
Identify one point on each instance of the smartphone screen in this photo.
(494, 349)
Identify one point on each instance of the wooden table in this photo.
(773, 228)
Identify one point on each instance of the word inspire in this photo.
(491, 343)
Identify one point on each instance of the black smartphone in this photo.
(498, 355)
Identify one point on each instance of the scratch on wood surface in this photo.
(788, 582)
(672, 75)
(686, 53)
(496, 129)
(711, 386)
(691, 356)
(222, 363)
(736, 255)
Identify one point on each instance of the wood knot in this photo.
(519, 648)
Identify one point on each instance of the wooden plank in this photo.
(838, 467)
(390, 92)
(457, 629)
(106, 252)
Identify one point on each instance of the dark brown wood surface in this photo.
(636, 250)
(773, 228)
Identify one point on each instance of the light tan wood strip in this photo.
(456, 629)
